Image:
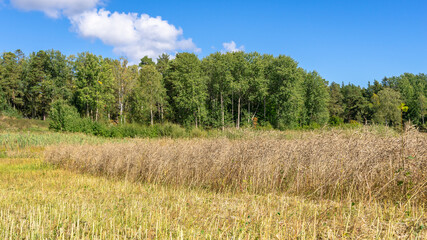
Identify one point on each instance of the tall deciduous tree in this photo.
(387, 107)
(316, 98)
(188, 88)
(258, 84)
(240, 80)
(162, 66)
(94, 81)
(285, 91)
(153, 90)
(217, 68)
(125, 79)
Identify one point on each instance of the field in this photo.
(328, 184)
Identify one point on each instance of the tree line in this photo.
(222, 90)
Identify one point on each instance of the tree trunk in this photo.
(238, 114)
(264, 109)
(232, 106)
(161, 109)
(87, 109)
(222, 113)
(121, 113)
(34, 109)
(249, 111)
(122, 87)
(151, 115)
(120, 101)
(158, 110)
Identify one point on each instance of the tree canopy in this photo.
(232, 89)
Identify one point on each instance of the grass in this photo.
(361, 166)
(20, 124)
(22, 140)
(38, 201)
(100, 188)
(32, 144)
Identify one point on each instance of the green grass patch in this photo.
(20, 140)
(21, 124)
(34, 166)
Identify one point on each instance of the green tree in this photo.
(38, 87)
(163, 66)
(240, 80)
(355, 104)
(316, 98)
(423, 108)
(187, 89)
(63, 116)
(217, 68)
(285, 92)
(11, 74)
(125, 79)
(412, 88)
(258, 84)
(94, 85)
(335, 106)
(146, 61)
(150, 81)
(387, 107)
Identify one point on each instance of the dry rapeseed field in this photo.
(332, 185)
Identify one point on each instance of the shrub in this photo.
(83, 125)
(100, 129)
(336, 121)
(117, 132)
(265, 125)
(11, 112)
(63, 117)
(6, 110)
(354, 123)
(171, 130)
(198, 133)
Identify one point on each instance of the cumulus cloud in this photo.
(232, 47)
(131, 34)
(54, 8)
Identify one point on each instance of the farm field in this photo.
(237, 120)
(73, 186)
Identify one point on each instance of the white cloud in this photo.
(54, 8)
(131, 34)
(232, 47)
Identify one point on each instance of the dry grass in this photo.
(349, 184)
(352, 166)
(41, 202)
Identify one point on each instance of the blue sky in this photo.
(345, 41)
